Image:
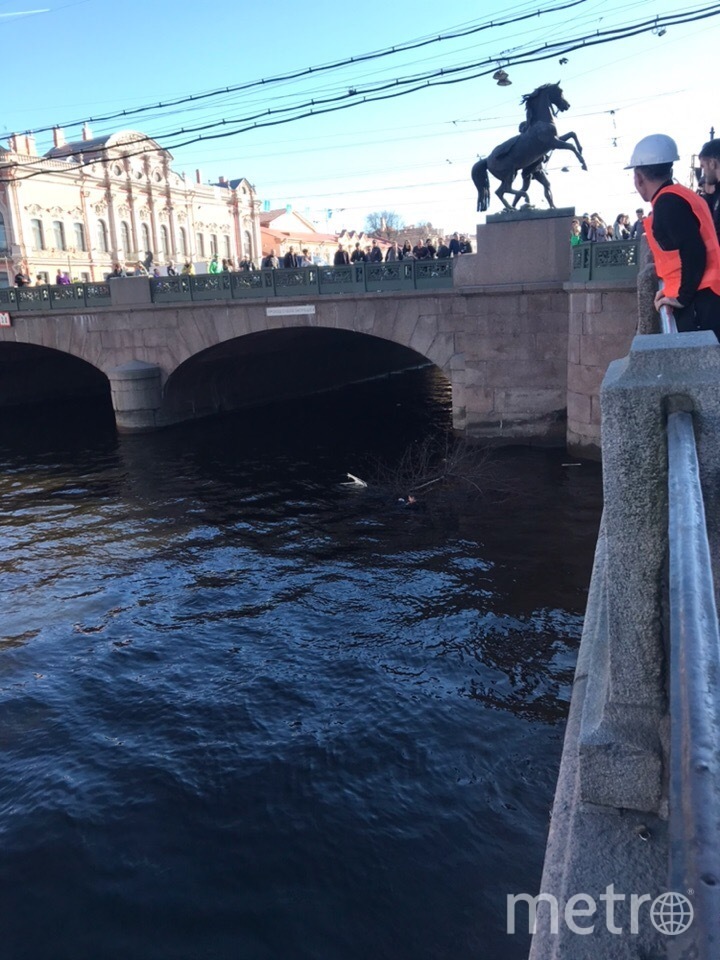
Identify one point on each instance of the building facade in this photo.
(84, 206)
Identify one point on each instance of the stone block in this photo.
(529, 403)
(593, 302)
(475, 374)
(599, 351)
(479, 401)
(550, 374)
(583, 379)
(424, 333)
(126, 291)
(405, 321)
(622, 321)
(579, 409)
(573, 349)
(520, 250)
(441, 349)
(550, 346)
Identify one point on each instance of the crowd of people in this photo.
(591, 228)
(430, 249)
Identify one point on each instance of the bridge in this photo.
(522, 341)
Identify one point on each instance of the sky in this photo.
(411, 154)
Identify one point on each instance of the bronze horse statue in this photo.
(538, 136)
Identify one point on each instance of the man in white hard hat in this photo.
(681, 236)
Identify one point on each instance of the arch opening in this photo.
(279, 364)
(31, 374)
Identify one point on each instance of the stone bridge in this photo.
(523, 350)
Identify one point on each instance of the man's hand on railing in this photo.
(662, 301)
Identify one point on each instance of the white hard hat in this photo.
(657, 148)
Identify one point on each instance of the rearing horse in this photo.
(538, 137)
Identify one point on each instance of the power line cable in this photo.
(548, 51)
(322, 68)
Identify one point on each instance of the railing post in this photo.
(622, 755)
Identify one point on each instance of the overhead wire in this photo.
(322, 68)
(408, 85)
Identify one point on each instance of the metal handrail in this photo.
(667, 320)
(694, 869)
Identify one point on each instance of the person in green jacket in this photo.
(214, 266)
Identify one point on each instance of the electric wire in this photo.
(398, 88)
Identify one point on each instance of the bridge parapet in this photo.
(621, 743)
(622, 774)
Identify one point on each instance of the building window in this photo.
(4, 282)
(3, 234)
(213, 245)
(183, 242)
(79, 230)
(38, 234)
(200, 244)
(103, 236)
(226, 242)
(248, 245)
(84, 277)
(59, 235)
(43, 276)
(164, 242)
(145, 231)
(125, 238)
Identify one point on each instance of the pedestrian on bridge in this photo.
(681, 237)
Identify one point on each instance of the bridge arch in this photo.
(277, 364)
(32, 373)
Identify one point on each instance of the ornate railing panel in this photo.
(33, 298)
(171, 289)
(8, 298)
(56, 296)
(397, 275)
(211, 286)
(433, 273)
(289, 282)
(611, 260)
(252, 283)
(581, 260)
(345, 279)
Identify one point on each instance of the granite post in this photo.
(623, 729)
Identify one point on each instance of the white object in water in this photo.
(354, 482)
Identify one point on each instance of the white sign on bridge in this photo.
(5, 320)
(289, 311)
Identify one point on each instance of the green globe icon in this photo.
(671, 913)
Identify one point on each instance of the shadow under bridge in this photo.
(279, 364)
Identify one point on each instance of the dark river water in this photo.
(248, 713)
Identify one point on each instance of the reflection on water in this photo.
(249, 713)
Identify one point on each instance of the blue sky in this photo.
(412, 154)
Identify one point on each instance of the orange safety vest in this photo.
(667, 262)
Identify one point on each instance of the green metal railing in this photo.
(611, 260)
(52, 297)
(354, 278)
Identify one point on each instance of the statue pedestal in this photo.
(522, 246)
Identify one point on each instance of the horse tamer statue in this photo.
(537, 138)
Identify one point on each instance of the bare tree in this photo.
(385, 224)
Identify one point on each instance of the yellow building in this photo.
(84, 206)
